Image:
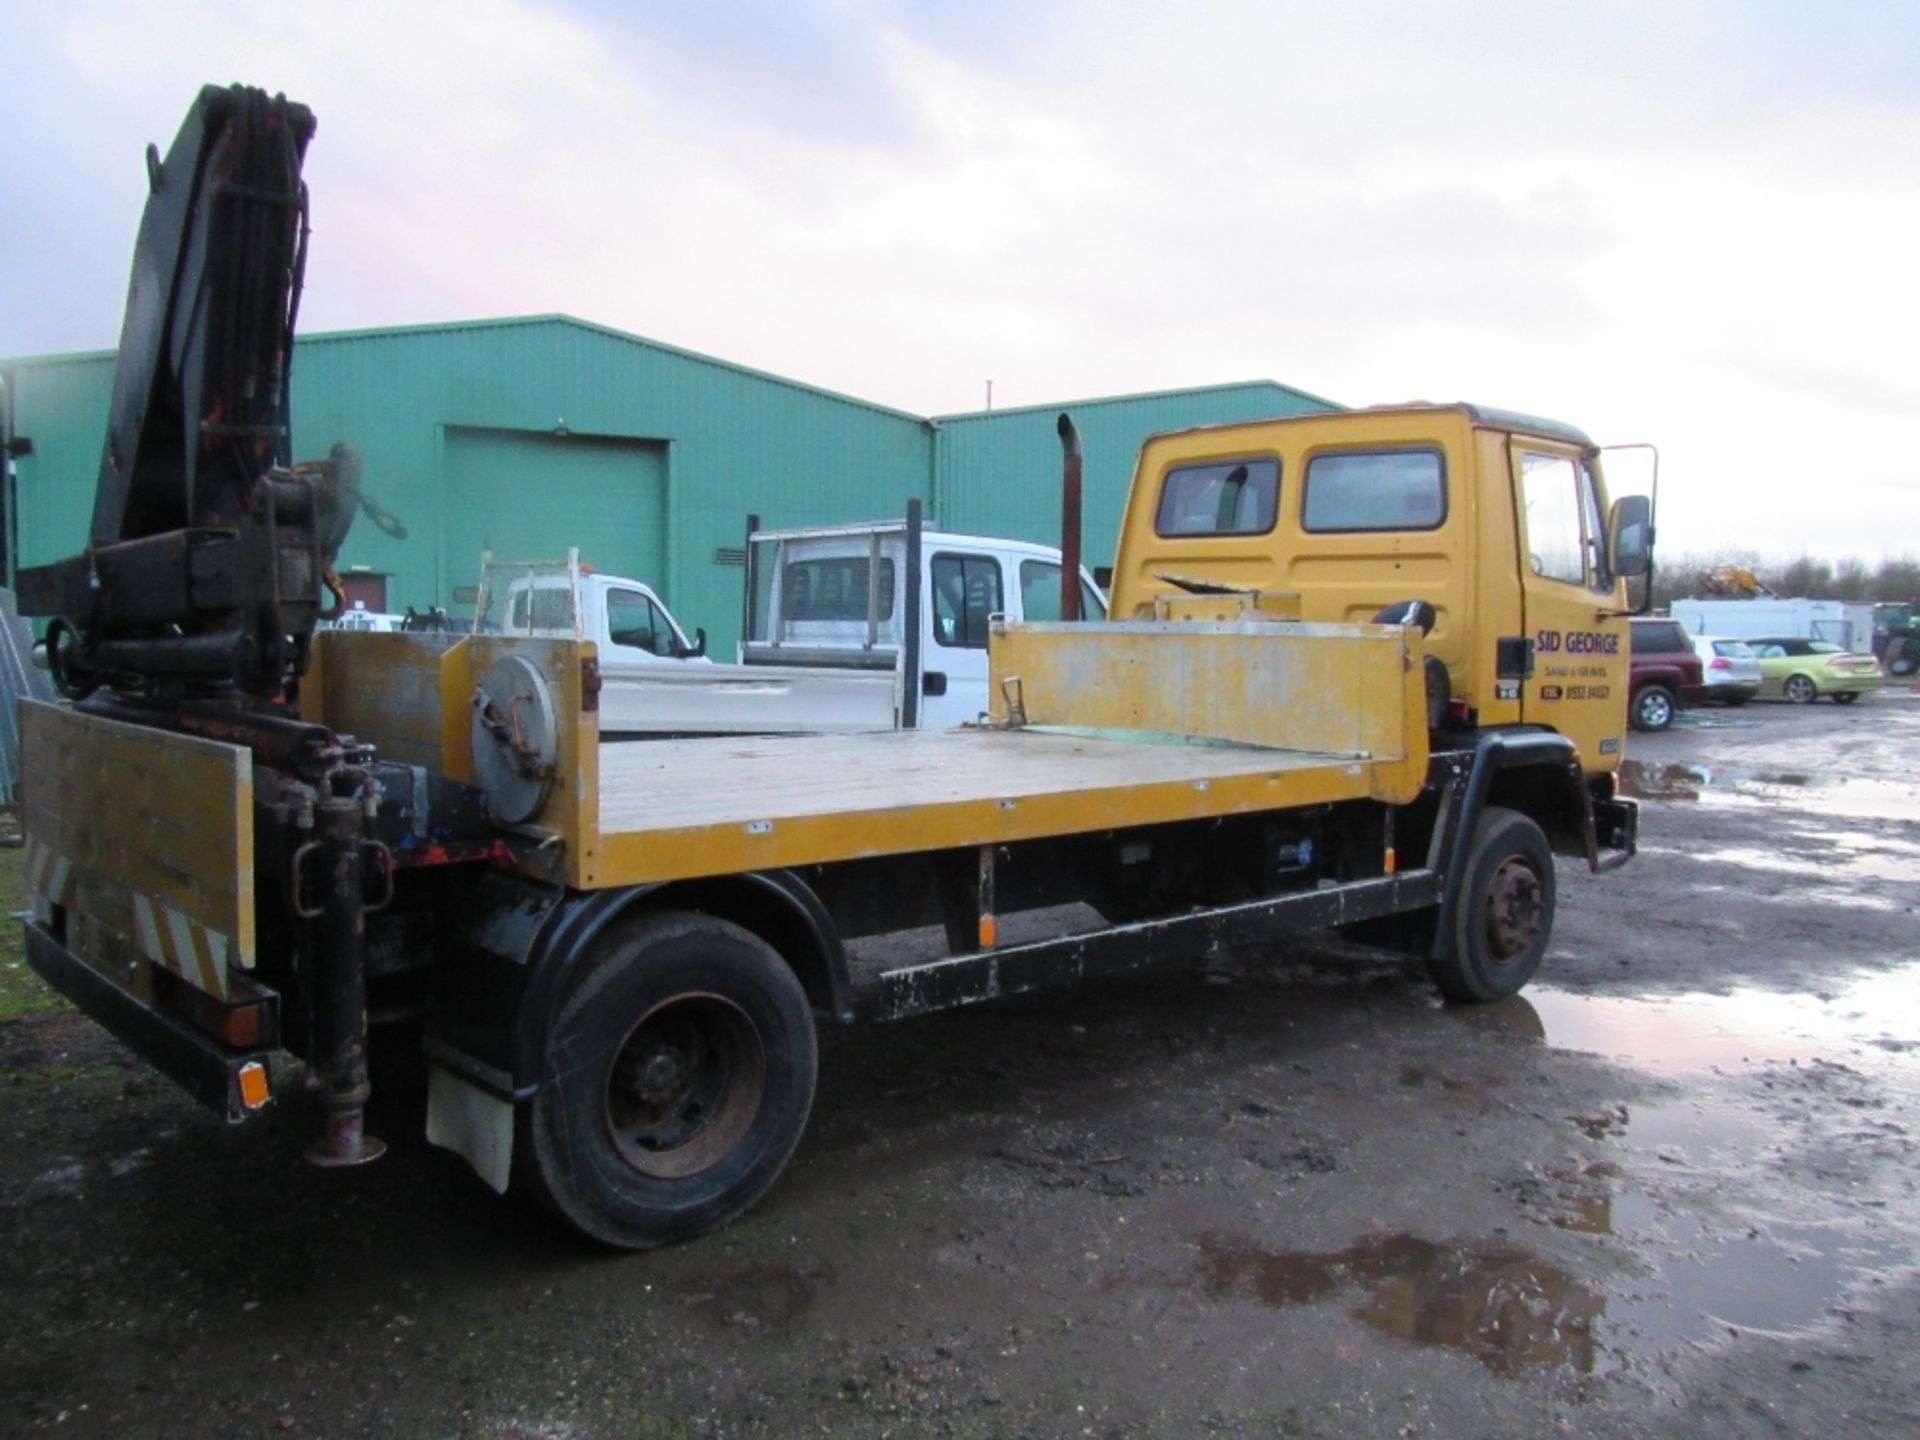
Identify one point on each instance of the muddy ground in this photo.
(1669, 1192)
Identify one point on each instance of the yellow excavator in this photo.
(1734, 581)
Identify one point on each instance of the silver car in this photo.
(1730, 668)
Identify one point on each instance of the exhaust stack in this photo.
(1069, 519)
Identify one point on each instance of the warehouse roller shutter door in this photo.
(529, 496)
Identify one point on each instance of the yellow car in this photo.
(1804, 670)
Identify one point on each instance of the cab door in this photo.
(1579, 680)
(638, 630)
(965, 590)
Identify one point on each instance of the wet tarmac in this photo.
(1671, 1190)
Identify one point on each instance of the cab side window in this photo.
(1552, 497)
(633, 620)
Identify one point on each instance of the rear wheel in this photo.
(1903, 656)
(1800, 690)
(1653, 707)
(1504, 917)
(679, 1071)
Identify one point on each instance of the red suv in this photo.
(1666, 674)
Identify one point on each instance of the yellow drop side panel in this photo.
(1354, 691)
(1125, 725)
(146, 839)
(385, 689)
(411, 698)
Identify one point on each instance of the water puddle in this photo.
(1844, 796)
(1847, 859)
(1711, 1280)
(1712, 1269)
(1506, 1308)
(1513, 1312)
(1869, 1019)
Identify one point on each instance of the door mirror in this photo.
(1632, 537)
(695, 651)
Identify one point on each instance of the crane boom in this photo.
(204, 564)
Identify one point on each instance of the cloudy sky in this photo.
(1693, 222)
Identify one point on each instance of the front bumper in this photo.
(1862, 683)
(1616, 833)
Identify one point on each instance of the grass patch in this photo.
(21, 991)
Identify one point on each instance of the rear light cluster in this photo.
(1720, 662)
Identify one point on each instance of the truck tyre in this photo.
(1653, 707)
(678, 1073)
(1504, 918)
(1800, 690)
(1903, 656)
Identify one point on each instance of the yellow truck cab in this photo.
(1498, 521)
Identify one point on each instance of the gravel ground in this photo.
(1671, 1191)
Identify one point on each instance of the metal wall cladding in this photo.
(733, 441)
(998, 472)
(60, 405)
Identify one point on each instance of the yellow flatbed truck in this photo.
(1368, 673)
(617, 954)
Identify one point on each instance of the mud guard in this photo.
(777, 905)
(1556, 796)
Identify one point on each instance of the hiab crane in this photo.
(1368, 672)
(192, 609)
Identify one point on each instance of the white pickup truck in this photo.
(825, 650)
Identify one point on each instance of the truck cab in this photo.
(811, 603)
(625, 618)
(1498, 521)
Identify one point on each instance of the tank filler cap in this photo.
(515, 739)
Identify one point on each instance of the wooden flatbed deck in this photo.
(673, 809)
(1118, 726)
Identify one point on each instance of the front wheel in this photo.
(1504, 915)
(679, 1071)
(1653, 707)
(1800, 690)
(1846, 697)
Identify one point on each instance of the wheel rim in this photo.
(1655, 711)
(685, 1085)
(1515, 906)
(1800, 689)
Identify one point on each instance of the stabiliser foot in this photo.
(344, 1142)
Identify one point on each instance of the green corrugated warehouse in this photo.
(532, 435)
